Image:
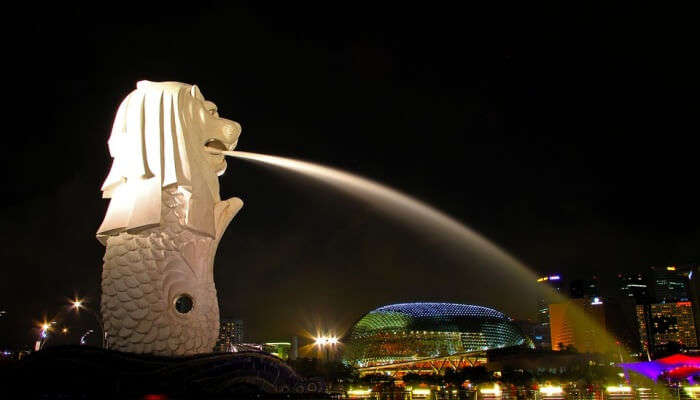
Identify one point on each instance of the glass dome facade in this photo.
(414, 331)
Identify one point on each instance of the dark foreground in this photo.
(80, 372)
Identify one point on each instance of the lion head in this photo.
(159, 140)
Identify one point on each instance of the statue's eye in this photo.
(184, 304)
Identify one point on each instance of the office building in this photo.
(669, 284)
(580, 324)
(584, 288)
(550, 288)
(661, 323)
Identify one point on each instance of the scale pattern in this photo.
(143, 276)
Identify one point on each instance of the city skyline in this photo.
(538, 141)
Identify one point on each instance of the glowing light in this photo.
(77, 303)
(45, 327)
(618, 389)
(596, 301)
(692, 390)
(64, 330)
(551, 390)
(325, 340)
(359, 392)
(671, 268)
(420, 392)
(554, 278)
(495, 391)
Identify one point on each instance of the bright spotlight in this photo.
(77, 303)
(333, 340)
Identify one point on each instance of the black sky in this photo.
(565, 135)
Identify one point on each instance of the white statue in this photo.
(164, 220)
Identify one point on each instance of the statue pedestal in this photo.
(81, 372)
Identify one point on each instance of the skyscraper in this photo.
(578, 323)
(661, 323)
(230, 333)
(669, 284)
(635, 287)
(550, 288)
(582, 288)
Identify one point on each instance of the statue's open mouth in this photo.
(215, 144)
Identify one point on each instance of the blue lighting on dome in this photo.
(418, 310)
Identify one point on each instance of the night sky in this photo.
(567, 136)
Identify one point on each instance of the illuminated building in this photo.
(279, 349)
(578, 323)
(428, 337)
(230, 333)
(551, 287)
(634, 286)
(669, 284)
(661, 323)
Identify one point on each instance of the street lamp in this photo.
(78, 304)
(327, 342)
(44, 335)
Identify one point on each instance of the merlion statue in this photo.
(164, 220)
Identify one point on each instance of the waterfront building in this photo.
(279, 349)
(428, 337)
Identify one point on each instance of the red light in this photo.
(683, 304)
(155, 397)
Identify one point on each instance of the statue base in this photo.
(82, 372)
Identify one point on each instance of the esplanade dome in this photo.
(416, 331)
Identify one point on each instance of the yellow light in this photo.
(64, 330)
(45, 326)
(421, 392)
(618, 389)
(333, 340)
(692, 389)
(496, 390)
(551, 390)
(670, 268)
(359, 392)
